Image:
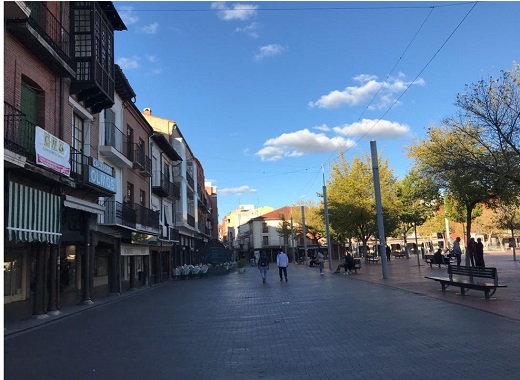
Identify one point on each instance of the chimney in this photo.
(148, 111)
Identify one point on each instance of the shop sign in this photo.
(100, 178)
(139, 238)
(51, 152)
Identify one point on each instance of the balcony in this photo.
(171, 234)
(142, 161)
(118, 214)
(160, 184)
(18, 133)
(93, 24)
(190, 180)
(38, 29)
(163, 187)
(92, 174)
(114, 146)
(147, 220)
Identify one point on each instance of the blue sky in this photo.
(266, 93)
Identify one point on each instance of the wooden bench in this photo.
(372, 259)
(357, 265)
(430, 259)
(465, 279)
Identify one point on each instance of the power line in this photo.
(291, 9)
(416, 77)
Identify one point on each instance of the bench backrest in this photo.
(473, 272)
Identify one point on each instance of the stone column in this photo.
(132, 272)
(39, 283)
(53, 281)
(86, 263)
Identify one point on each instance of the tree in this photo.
(284, 230)
(492, 109)
(419, 200)
(351, 199)
(508, 217)
(475, 155)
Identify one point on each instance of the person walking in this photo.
(457, 251)
(263, 265)
(479, 254)
(282, 261)
(388, 253)
(321, 261)
(472, 247)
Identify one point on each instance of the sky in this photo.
(267, 94)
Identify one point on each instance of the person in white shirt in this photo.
(282, 261)
(321, 261)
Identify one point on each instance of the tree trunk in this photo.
(469, 209)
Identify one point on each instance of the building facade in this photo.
(55, 86)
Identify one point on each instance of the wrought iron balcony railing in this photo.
(190, 180)
(142, 161)
(18, 133)
(117, 213)
(116, 139)
(163, 187)
(147, 217)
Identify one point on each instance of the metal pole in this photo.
(379, 206)
(304, 233)
(329, 248)
(292, 241)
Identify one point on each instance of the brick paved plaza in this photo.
(312, 327)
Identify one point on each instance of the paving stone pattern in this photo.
(235, 327)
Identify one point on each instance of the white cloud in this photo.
(151, 58)
(128, 63)
(251, 30)
(127, 15)
(322, 127)
(301, 142)
(150, 29)
(237, 11)
(236, 190)
(268, 50)
(367, 89)
(375, 128)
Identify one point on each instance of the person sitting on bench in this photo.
(438, 257)
(349, 264)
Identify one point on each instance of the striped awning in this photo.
(34, 215)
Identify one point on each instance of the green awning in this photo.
(34, 215)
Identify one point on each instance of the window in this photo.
(265, 240)
(139, 154)
(32, 106)
(167, 173)
(129, 194)
(77, 144)
(129, 141)
(265, 228)
(142, 198)
(110, 128)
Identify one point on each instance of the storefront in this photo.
(33, 233)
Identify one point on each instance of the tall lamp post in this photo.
(329, 250)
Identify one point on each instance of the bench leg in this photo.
(443, 287)
(462, 291)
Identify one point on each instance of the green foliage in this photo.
(351, 198)
(418, 199)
